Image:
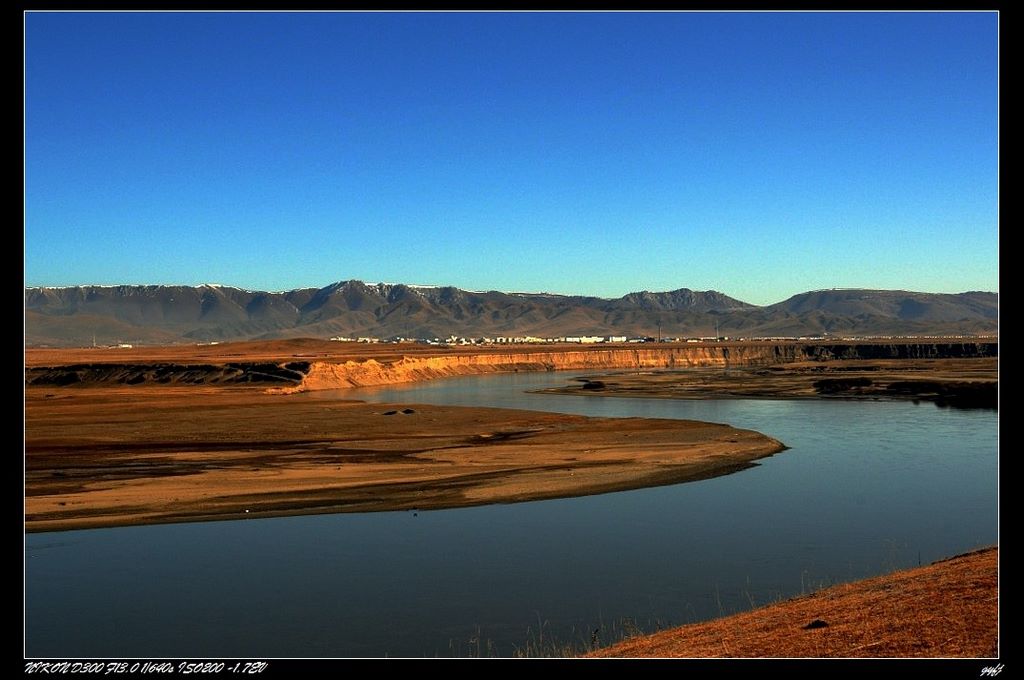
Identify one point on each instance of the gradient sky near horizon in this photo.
(758, 154)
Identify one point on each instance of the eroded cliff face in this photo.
(327, 375)
(299, 376)
(324, 375)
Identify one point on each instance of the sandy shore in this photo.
(946, 609)
(171, 435)
(968, 383)
(106, 456)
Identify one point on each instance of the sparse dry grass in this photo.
(946, 609)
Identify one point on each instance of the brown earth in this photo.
(954, 382)
(303, 365)
(117, 455)
(946, 609)
(151, 434)
(265, 350)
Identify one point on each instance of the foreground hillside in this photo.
(946, 609)
(82, 315)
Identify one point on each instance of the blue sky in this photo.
(757, 154)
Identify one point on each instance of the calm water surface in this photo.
(866, 487)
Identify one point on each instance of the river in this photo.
(866, 488)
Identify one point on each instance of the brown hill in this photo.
(76, 316)
(946, 609)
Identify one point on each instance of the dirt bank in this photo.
(964, 383)
(946, 609)
(312, 365)
(106, 456)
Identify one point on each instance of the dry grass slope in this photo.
(946, 609)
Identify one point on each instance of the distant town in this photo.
(622, 339)
(459, 341)
(533, 340)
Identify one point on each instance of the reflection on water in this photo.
(867, 487)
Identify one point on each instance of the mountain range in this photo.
(81, 315)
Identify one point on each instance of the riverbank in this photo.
(289, 366)
(111, 456)
(946, 609)
(964, 383)
(191, 433)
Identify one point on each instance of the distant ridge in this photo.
(72, 316)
